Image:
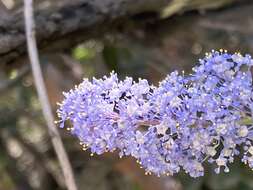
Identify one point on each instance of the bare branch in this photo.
(40, 86)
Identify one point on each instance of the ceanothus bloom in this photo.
(184, 122)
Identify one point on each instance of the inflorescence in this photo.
(181, 124)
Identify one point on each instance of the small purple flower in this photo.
(179, 125)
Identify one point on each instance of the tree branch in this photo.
(61, 27)
(65, 25)
(40, 86)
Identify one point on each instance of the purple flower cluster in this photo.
(184, 122)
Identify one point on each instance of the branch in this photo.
(40, 86)
(61, 27)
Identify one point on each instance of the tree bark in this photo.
(66, 23)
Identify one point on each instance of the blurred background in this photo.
(82, 39)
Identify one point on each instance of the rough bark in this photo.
(64, 23)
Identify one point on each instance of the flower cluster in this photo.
(181, 124)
